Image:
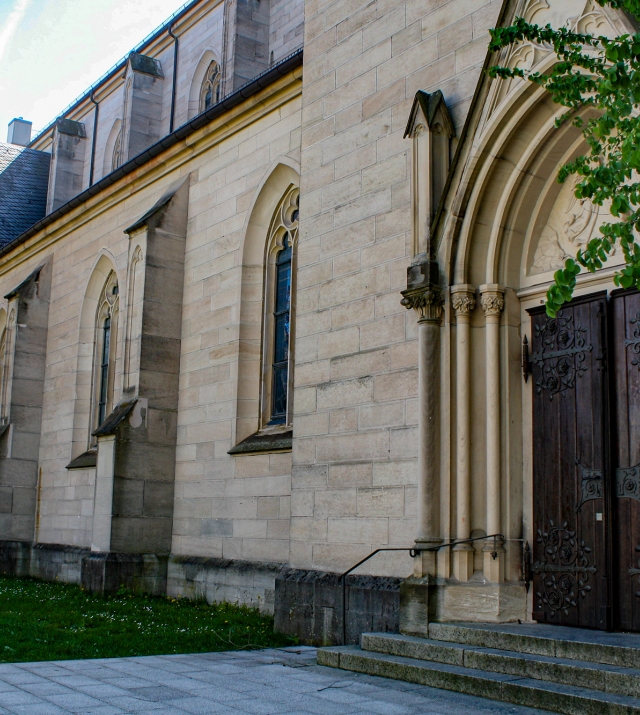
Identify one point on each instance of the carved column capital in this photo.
(492, 299)
(463, 299)
(427, 301)
(423, 292)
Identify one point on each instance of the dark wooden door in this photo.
(625, 439)
(570, 550)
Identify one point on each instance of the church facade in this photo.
(283, 308)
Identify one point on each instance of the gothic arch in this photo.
(104, 266)
(110, 146)
(277, 182)
(505, 177)
(505, 226)
(200, 71)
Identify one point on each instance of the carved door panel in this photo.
(570, 584)
(625, 389)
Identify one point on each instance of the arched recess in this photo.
(506, 224)
(506, 182)
(110, 146)
(278, 181)
(104, 267)
(199, 73)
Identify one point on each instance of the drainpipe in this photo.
(176, 42)
(95, 136)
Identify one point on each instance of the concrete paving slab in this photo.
(270, 682)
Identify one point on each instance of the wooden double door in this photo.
(585, 369)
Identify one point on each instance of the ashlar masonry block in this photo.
(22, 395)
(142, 104)
(67, 163)
(146, 423)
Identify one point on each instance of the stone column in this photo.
(425, 297)
(417, 596)
(493, 304)
(463, 302)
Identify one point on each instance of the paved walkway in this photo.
(257, 683)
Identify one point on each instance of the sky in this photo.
(51, 51)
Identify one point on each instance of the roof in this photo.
(24, 178)
(268, 77)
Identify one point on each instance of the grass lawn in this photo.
(55, 621)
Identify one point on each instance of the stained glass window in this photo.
(104, 371)
(282, 317)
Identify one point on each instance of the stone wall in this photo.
(286, 28)
(224, 581)
(311, 606)
(355, 439)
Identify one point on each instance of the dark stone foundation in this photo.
(94, 571)
(306, 604)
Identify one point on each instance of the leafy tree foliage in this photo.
(598, 80)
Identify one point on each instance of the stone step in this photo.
(583, 674)
(622, 649)
(555, 697)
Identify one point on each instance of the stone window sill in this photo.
(87, 460)
(264, 442)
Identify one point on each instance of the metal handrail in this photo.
(413, 552)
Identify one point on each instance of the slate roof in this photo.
(24, 177)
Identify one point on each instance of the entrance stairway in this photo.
(564, 670)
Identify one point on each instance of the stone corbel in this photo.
(423, 293)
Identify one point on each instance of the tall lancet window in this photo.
(279, 313)
(104, 352)
(104, 370)
(210, 92)
(116, 159)
(282, 330)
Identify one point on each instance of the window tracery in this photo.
(105, 342)
(117, 152)
(210, 91)
(279, 312)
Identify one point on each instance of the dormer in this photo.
(431, 130)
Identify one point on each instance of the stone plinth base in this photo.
(424, 601)
(480, 602)
(417, 605)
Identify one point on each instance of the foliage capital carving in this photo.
(427, 301)
(492, 302)
(463, 302)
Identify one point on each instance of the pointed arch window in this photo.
(3, 376)
(279, 315)
(210, 91)
(282, 333)
(104, 352)
(117, 152)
